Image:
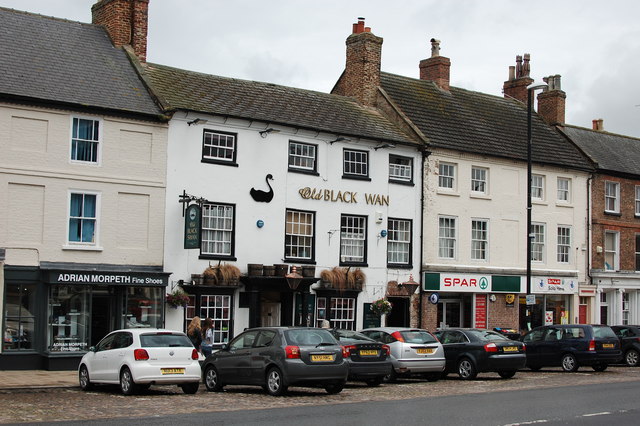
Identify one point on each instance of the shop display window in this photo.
(68, 314)
(18, 317)
(218, 308)
(144, 307)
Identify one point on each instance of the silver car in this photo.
(414, 351)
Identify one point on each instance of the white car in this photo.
(138, 358)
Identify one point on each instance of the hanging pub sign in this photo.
(192, 227)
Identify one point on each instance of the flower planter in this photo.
(269, 270)
(308, 271)
(254, 269)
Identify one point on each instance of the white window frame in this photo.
(218, 231)
(95, 244)
(611, 196)
(637, 200)
(95, 142)
(215, 142)
(219, 308)
(479, 180)
(401, 170)
(537, 187)
(447, 237)
(447, 176)
(479, 239)
(538, 232)
(612, 249)
(564, 189)
(303, 156)
(355, 163)
(342, 312)
(299, 235)
(626, 311)
(564, 244)
(399, 238)
(353, 239)
(637, 258)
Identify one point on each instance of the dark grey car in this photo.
(276, 358)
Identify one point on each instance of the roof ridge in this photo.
(39, 15)
(574, 126)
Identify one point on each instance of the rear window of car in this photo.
(309, 337)
(603, 332)
(417, 336)
(164, 340)
(348, 335)
(487, 335)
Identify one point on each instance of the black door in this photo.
(399, 316)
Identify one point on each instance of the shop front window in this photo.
(68, 325)
(556, 309)
(18, 317)
(218, 308)
(144, 307)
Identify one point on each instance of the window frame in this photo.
(563, 244)
(446, 238)
(349, 174)
(614, 197)
(395, 178)
(391, 232)
(484, 182)
(612, 251)
(483, 242)
(232, 232)
(566, 191)
(364, 238)
(637, 251)
(637, 200)
(297, 168)
(96, 227)
(452, 178)
(538, 241)
(311, 247)
(97, 142)
(218, 159)
(537, 188)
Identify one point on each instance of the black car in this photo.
(629, 336)
(572, 346)
(367, 359)
(470, 351)
(276, 358)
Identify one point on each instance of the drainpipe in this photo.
(425, 156)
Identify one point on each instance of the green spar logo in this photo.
(484, 283)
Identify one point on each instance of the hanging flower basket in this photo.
(177, 298)
(381, 307)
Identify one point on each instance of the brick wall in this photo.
(551, 106)
(126, 21)
(501, 315)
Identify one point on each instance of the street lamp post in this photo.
(530, 89)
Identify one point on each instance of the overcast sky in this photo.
(593, 44)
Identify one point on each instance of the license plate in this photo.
(425, 350)
(510, 349)
(320, 358)
(608, 345)
(368, 353)
(172, 370)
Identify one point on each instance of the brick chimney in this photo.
(436, 68)
(361, 77)
(598, 124)
(551, 102)
(125, 21)
(519, 79)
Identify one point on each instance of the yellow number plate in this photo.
(425, 350)
(608, 345)
(510, 349)
(368, 353)
(172, 370)
(318, 358)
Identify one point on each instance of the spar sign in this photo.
(472, 283)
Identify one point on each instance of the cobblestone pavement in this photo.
(33, 405)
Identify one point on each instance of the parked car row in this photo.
(276, 358)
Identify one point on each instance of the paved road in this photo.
(108, 403)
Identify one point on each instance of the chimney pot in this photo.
(551, 102)
(598, 124)
(516, 86)
(436, 68)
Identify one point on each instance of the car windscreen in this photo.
(487, 335)
(309, 337)
(603, 332)
(164, 340)
(417, 336)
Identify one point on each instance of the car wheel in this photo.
(569, 363)
(83, 377)
(275, 385)
(212, 380)
(391, 377)
(333, 388)
(432, 377)
(631, 358)
(127, 385)
(466, 369)
(534, 367)
(376, 381)
(507, 374)
(190, 388)
(599, 367)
